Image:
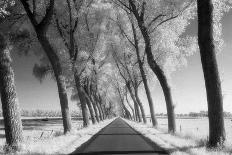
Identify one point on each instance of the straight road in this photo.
(119, 138)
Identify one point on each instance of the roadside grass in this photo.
(179, 143)
(55, 142)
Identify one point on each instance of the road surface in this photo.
(119, 138)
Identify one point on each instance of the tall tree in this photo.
(150, 17)
(154, 65)
(134, 42)
(211, 75)
(126, 68)
(10, 105)
(41, 29)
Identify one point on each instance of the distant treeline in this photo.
(195, 114)
(44, 113)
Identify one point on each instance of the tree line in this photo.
(106, 52)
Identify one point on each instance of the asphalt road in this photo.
(119, 138)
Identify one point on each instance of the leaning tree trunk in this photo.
(167, 94)
(137, 112)
(140, 105)
(98, 107)
(127, 112)
(10, 105)
(154, 66)
(95, 109)
(161, 77)
(99, 110)
(103, 113)
(210, 69)
(88, 102)
(148, 93)
(60, 79)
(41, 31)
(132, 110)
(82, 98)
(144, 78)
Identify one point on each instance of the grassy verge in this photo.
(57, 143)
(178, 144)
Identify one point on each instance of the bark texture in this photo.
(10, 105)
(210, 69)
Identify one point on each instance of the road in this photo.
(119, 138)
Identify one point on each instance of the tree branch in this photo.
(29, 13)
(48, 16)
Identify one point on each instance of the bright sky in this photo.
(188, 83)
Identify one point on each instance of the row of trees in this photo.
(104, 51)
(67, 37)
(154, 30)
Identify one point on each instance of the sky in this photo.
(188, 83)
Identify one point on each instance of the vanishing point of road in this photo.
(119, 138)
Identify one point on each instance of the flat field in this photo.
(196, 128)
(40, 128)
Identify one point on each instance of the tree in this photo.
(135, 44)
(121, 97)
(10, 105)
(126, 67)
(81, 35)
(41, 29)
(211, 75)
(154, 65)
(152, 18)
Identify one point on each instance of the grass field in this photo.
(189, 140)
(40, 127)
(197, 128)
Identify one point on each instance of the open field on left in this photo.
(45, 135)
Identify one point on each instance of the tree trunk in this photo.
(98, 107)
(103, 113)
(132, 110)
(41, 31)
(127, 112)
(82, 98)
(167, 94)
(60, 79)
(95, 109)
(154, 66)
(137, 112)
(88, 101)
(161, 77)
(149, 98)
(210, 69)
(100, 112)
(144, 78)
(64, 102)
(140, 105)
(10, 105)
